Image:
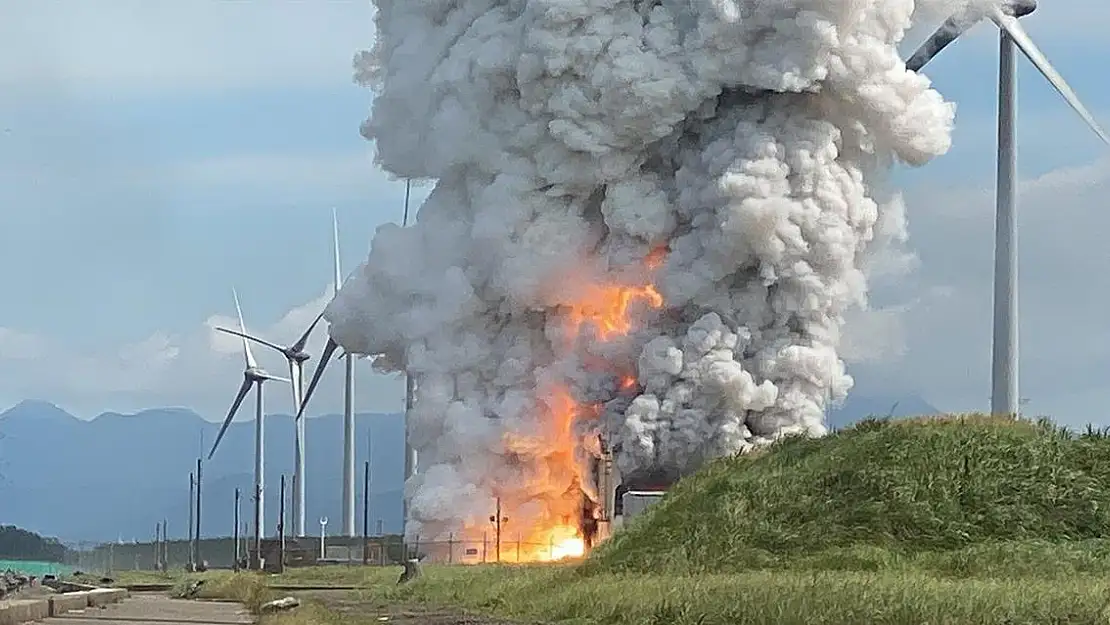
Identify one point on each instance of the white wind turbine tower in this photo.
(295, 356)
(348, 407)
(1004, 360)
(348, 402)
(253, 375)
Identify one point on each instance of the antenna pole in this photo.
(1004, 357)
(235, 531)
(192, 502)
(365, 511)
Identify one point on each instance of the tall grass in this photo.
(928, 485)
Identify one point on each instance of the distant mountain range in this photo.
(116, 476)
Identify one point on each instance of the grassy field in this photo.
(941, 522)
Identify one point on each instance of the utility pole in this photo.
(497, 520)
(199, 561)
(157, 547)
(235, 537)
(165, 545)
(365, 512)
(189, 536)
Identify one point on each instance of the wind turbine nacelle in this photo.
(1019, 8)
(257, 374)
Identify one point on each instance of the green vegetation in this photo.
(882, 492)
(20, 544)
(954, 521)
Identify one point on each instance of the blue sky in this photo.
(154, 155)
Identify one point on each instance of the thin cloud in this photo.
(198, 369)
(300, 173)
(137, 46)
(1063, 289)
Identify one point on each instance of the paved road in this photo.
(156, 609)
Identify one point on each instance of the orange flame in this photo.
(607, 308)
(656, 256)
(610, 309)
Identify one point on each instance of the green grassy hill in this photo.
(880, 494)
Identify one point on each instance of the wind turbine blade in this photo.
(244, 388)
(1017, 33)
(251, 363)
(301, 342)
(276, 378)
(952, 28)
(335, 249)
(329, 350)
(251, 338)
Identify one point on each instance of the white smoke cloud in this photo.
(570, 140)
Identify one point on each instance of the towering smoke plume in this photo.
(648, 222)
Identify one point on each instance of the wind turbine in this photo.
(295, 356)
(348, 407)
(410, 387)
(1004, 357)
(255, 376)
(348, 401)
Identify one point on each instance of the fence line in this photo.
(485, 551)
(373, 551)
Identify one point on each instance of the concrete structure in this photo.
(62, 603)
(106, 596)
(15, 611)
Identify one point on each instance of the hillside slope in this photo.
(926, 485)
